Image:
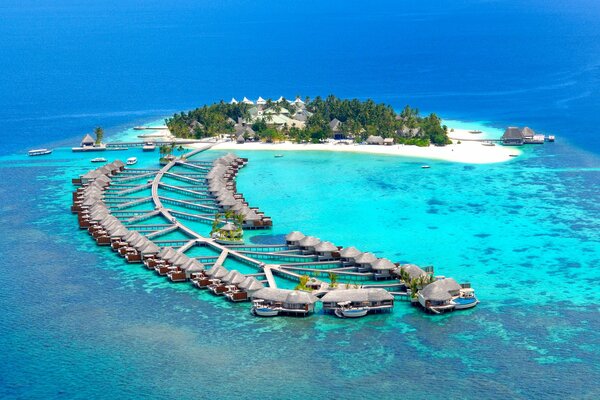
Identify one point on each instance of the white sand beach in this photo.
(468, 152)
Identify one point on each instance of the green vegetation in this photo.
(333, 279)
(359, 120)
(234, 219)
(302, 285)
(99, 132)
(415, 284)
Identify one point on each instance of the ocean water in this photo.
(79, 323)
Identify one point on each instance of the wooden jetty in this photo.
(129, 210)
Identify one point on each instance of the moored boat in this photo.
(39, 152)
(98, 159)
(425, 166)
(149, 146)
(131, 160)
(262, 310)
(345, 310)
(475, 131)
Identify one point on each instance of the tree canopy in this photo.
(358, 120)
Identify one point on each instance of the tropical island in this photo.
(310, 121)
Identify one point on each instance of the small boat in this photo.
(488, 144)
(261, 310)
(425, 166)
(346, 311)
(466, 299)
(99, 159)
(149, 146)
(39, 152)
(513, 155)
(475, 131)
(131, 160)
(550, 138)
(278, 155)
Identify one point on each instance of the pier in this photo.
(145, 223)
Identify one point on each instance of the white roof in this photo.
(246, 101)
(298, 100)
(261, 101)
(233, 101)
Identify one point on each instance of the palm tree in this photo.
(333, 279)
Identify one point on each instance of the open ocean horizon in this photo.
(80, 323)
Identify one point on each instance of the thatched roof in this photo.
(309, 241)
(285, 296)
(383, 264)
(217, 272)
(413, 271)
(350, 252)
(357, 295)
(365, 258)
(250, 284)
(294, 236)
(440, 290)
(325, 247)
(87, 140)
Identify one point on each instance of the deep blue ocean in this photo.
(79, 323)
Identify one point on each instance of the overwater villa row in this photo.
(125, 208)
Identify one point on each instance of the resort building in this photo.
(375, 140)
(286, 302)
(382, 268)
(88, 141)
(293, 239)
(514, 136)
(437, 296)
(373, 299)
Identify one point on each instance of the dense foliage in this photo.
(359, 120)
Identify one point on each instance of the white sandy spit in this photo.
(468, 152)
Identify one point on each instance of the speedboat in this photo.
(278, 155)
(262, 310)
(488, 144)
(475, 131)
(346, 311)
(39, 152)
(99, 159)
(131, 160)
(466, 299)
(425, 166)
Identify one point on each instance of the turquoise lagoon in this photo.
(524, 233)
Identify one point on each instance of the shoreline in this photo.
(466, 152)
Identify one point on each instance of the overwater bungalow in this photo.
(382, 268)
(283, 302)
(371, 300)
(327, 251)
(227, 283)
(186, 271)
(215, 273)
(514, 136)
(437, 296)
(307, 244)
(411, 270)
(364, 262)
(244, 290)
(293, 239)
(349, 254)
